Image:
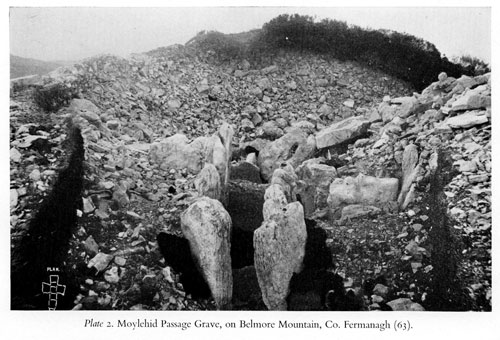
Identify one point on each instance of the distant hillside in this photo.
(20, 67)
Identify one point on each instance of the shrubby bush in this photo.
(218, 44)
(476, 65)
(401, 55)
(53, 97)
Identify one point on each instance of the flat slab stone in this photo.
(342, 131)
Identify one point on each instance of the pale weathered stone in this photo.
(274, 201)
(279, 151)
(467, 120)
(366, 190)
(207, 182)
(342, 131)
(357, 210)
(279, 252)
(207, 227)
(315, 179)
(14, 197)
(406, 305)
(285, 177)
(175, 153)
(410, 170)
(479, 97)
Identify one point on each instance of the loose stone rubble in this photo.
(149, 128)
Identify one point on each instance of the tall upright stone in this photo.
(207, 182)
(279, 252)
(207, 227)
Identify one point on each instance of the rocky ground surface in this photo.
(129, 198)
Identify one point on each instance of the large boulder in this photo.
(467, 120)
(366, 190)
(314, 181)
(280, 150)
(477, 98)
(207, 227)
(176, 153)
(279, 252)
(343, 131)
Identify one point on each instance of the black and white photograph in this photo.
(250, 170)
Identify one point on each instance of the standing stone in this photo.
(226, 133)
(275, 201)
(207, 182)
(279, 252)
(207, 227)
(410, 170)
(285, 177)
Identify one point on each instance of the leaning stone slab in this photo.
(340, 132)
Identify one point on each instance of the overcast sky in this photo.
(76, 33)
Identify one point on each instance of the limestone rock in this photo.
(175, 153)
(14, 197)
(207, 227)
(269, 69)
(247, 125)
(226, 133)
(271, 130)
(321, 82)
(279, 151)
(314, 182)
(274, 201)
(386, 111)
(467, 120)
(349, 103)
(407, 106)
(15, 155)
(340, 132)
(406, 305)
(357, 210)
(366, 190)
(207, 182)
(410, 170)
(477, 98)
(91, 246)
(304, 151)
(100, 261)
(279, 252)
(285, 177)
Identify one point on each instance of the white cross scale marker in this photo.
(53, 289)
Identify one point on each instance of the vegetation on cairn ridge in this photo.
(400, 55)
